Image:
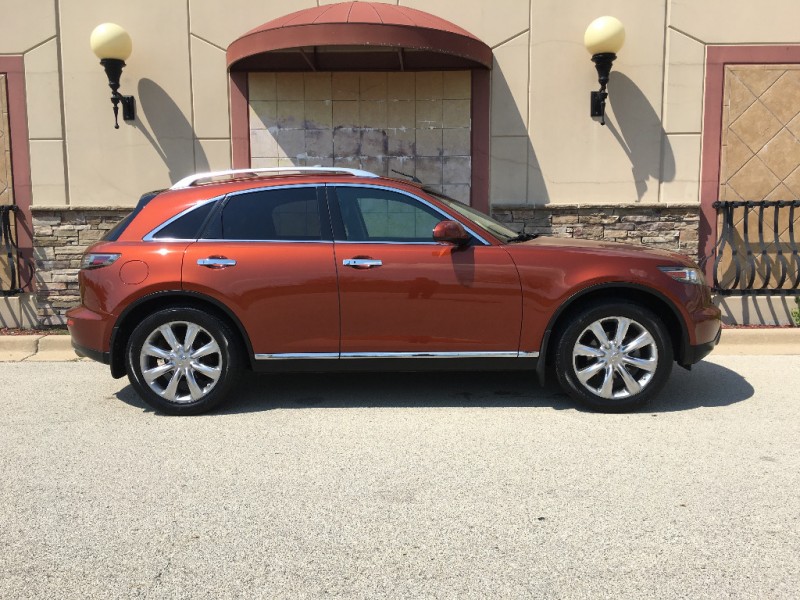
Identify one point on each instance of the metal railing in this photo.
(756, 251)
(10, 248)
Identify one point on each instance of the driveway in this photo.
(401, 486)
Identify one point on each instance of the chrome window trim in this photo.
(226, 241)
(150, 236)
(505, 354)
(447, 216)
(390, 243)
(266, 188)
(359, 355)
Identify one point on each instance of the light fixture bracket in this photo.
(602, 62)
(113, 68)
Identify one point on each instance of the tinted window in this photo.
(282, 214)
(112, 235)
(384, 216)
(186, 227)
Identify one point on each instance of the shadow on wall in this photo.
(170, 132)
(536, 192)
(638, 125)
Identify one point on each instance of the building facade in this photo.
(486, 101)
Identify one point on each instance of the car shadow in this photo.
(707, 385)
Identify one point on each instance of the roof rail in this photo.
(192, 179)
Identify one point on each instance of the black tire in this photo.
(609, 374)
(180, 378)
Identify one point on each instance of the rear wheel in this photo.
(182, 361)
(614, 357)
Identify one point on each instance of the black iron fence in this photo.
(8, 243)
(756, 251)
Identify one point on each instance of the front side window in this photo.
(284, 214)
(376, 215)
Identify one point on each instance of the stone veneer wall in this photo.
(61, 236)
(668, 226)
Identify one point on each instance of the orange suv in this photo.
(317, 269)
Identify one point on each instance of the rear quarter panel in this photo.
(110, 290)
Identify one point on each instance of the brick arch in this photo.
(361, 36)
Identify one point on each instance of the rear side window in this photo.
(112, 235)
(186, 226)
(284, 214)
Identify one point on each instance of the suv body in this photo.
(325, 269)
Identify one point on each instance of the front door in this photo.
(400, 292)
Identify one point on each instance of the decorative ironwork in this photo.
(744, 265)
(8, 244)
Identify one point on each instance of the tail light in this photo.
(97, 260)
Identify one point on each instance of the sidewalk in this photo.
(767, 341)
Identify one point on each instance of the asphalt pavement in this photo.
(401, 486)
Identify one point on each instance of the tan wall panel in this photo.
(47, 172)
(492, 22)
(685, 185)
(580, 160)
(509, 177)
(212, 155)
(25, 23)
(737, 21)
(43, 91)
(210, 91)
(109, 167)
(510, 87)
(222, 22)
(683, 102)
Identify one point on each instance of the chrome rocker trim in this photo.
(362, 355)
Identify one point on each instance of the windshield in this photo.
(497, 229)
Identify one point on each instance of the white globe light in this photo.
(604, 35)
(109, 40)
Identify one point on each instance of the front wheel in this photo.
(614, 357)
(182, 361)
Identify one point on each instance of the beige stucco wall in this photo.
(544, 149)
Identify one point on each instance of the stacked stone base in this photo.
(59, 239)
(62, 235)
(672, 227)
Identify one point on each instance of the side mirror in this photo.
(450, 232)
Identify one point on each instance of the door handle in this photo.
(216, 262)
(362, 263)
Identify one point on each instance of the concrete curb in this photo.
(766, 341)
(55, 348)
(14, 348)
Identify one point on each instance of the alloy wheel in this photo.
(181, 362)
(615, 357)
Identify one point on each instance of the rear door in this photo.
(402, 293)
(268, 256)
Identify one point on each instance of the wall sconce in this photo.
(112, 45)
(603, 39)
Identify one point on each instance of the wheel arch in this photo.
(165, 299)
(639, 294)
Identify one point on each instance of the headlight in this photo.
(97, 260)
(684, 274)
